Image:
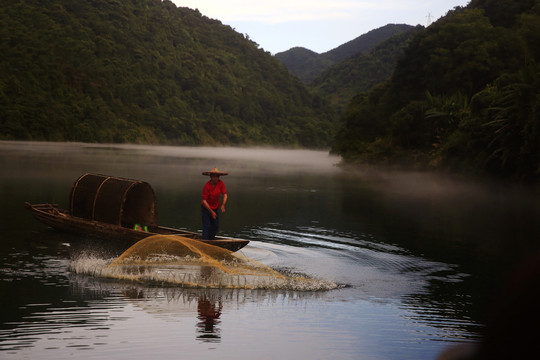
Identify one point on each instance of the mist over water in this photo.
(399, 264)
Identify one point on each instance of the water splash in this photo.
(179, 261)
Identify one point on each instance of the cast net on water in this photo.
(180, 261)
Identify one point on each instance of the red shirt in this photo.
(211, 193)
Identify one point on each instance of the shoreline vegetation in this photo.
(460, 96)
(464, 97)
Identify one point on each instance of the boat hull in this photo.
(50, 215)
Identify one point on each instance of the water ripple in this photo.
(375, 268)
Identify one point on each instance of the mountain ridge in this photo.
(359, 73)
(308, 65)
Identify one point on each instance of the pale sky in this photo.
(318, 25)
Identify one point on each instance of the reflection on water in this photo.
(87, 325)
(415, 258)
(209, 308)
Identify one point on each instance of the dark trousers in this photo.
(210, 226)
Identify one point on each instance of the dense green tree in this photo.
(464, 96)
(342, 81)
(145, 71)
(503, 12)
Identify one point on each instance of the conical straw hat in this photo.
(215, 171)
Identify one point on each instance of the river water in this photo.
(405, 264)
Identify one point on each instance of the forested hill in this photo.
(465, 96)
(308, 65)
(145, 71)
(361, 72)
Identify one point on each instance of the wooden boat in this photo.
(111, 208)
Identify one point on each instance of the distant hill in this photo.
(307, 65)
(145, 71)
(366, 42)
(304, 63)
(342, 81)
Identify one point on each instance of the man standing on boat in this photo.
(210, 203)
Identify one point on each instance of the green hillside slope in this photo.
(342, 81)
(308, 65)
(465, 96)
(145, 71)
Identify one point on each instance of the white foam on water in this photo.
(191, 272)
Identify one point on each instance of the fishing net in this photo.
(174, 249)
(180, 261)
